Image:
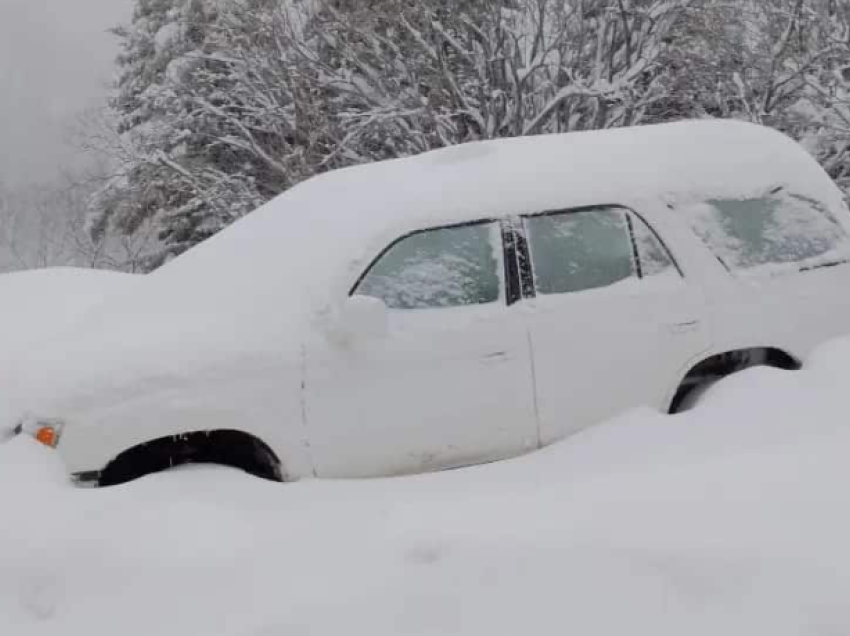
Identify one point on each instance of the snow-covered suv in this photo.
(465, 305)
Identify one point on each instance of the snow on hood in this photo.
(37, 304)
(255, 289)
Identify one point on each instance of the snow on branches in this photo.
(225, 104)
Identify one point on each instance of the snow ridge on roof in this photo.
(489, 179)
(330, 223)
(531, 174)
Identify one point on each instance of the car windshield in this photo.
(760, 233)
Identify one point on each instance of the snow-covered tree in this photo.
(45, 225)
(162, 49)
(781, 63)
(222, 104)
(404, 77)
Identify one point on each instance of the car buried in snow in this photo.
(466, 305)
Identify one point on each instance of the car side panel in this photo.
(261, 398)
(445, 388)
(600, 352)
(794, 312)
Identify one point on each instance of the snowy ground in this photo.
(732, 519)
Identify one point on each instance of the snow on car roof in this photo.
(334, 216)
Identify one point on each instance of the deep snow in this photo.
(730, 519)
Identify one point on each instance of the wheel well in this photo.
(225, 447)
(723, 364)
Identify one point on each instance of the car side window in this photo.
(580, 250)
(653, 257)
(445, 267)
(776, 229)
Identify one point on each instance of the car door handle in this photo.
(686, 326)
(495, 357)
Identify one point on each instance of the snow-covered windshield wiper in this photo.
(825, 264)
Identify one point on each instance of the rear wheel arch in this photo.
(226, 447)
(720, 365)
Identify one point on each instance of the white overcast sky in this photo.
(55, 59)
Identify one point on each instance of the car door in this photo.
(449, 385)
(613, 322)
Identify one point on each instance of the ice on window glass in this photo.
(654, 258)
(778, 229)
(448, 267)
(576, 251)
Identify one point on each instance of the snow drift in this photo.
(729, 519)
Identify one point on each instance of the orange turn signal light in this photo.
(47, 435)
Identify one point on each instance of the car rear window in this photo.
(778, 229)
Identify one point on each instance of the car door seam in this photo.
(535, 404)
(305, 440)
